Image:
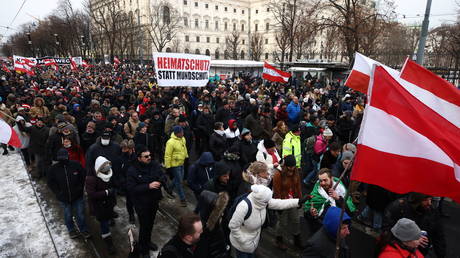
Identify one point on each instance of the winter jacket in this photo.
(39, 109)
(217, 145)
(112, 152)
(101, 199)
(176, 248)
(130, 128)
(169, 124)
(395, 251)
(231, 136)
(292, 146)
(322, 243)
(67, 180)
(293, 111)
(267, 125)
(144, 139)
(38, 138)
(205, 124)
(139, 176)
(200, 172)
(245, 234)
(175, 152)
(252, 123)
(286, 187)
(320, 145)
(76, 154)
(248, 152)
(265, 157)
(87, 139)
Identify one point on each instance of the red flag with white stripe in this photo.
(409, 138)
(85, 64)
(73, 64)
(25, 65)
(8, 135)
(360, 73)
(272, 74)
(5, 68)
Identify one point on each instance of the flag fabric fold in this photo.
(406, 144)
(272, 74)
(8, 135)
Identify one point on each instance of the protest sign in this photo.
(176, 69)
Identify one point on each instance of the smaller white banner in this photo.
(177, 69)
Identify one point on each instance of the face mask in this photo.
(105, 177)
(67, 146)
(220, 132)
(105, 142)
(260, 180)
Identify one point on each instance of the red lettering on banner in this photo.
(160, 63)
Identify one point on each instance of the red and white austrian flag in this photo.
(25, 65)
(272, 74)
(8, 135)
(410, 135)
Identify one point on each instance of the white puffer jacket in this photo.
(262, 155)
(245, 234)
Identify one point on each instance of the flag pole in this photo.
(7, 115)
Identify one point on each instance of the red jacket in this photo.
(397, 252)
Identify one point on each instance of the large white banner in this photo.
(177, 69)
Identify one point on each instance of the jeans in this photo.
(312, 175)
(105, 228)
(240, 254)
(79, 205)
(178, 173)
(377, 217)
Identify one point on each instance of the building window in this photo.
(242, 54)
(206, 24)
(217, 7)
(166, 15)
(168, 50)
(256, 27)
(196, 23)
(257, 11)
(225, 8)
(197, 51)
(268, 9)
(266, 41)
(197, 38)
(185, 2)
(206, 6)
(267, 26)
(242, 11)
(225, 26)
(266, 55)
(234, 10)
(187, 39)
(217, 25)
(234, 26)
(196, 4)
(208, 39)
(216, 54)
(185, 22)
(242, 27)
(207, 52)
(186, 51)
(217, 40)
(243, 41)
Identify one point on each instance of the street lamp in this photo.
(57, 43)
(29, 42)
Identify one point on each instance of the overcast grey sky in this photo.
(442, 11)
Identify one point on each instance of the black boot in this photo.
(298, 241)
(109, 243)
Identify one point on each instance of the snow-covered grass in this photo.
(23, 232)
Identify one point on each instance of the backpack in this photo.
(243, 197)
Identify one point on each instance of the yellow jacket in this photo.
(291, 146)
(176, 151)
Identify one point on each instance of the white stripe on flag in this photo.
(5, 132)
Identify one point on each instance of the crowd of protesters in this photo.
(244, 146)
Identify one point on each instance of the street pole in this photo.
(423, 34)
(141, 54)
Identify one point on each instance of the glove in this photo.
(304, 199)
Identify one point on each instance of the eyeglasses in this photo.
(146, 156)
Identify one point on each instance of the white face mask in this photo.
(260, 180)
(68, 146)
(104, 177)
(105, 142)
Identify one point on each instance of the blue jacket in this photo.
(293, 111)
(201, 172)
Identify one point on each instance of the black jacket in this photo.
(320, 245)
(144, 139)
(217, 145)
(248, 152)
(176, 248)
(139, 176)
(67, 181)
(204, 124)
(112, 152)
(38, 138)
(200, 172)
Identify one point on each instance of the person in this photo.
(324, 196)
(217, 141)
(286, 185)
(245, 233)
(204, 125)
(322, 244)
(293, 111)
(175, 155)
(418, 207)
(256, 173)
(319, 148)
(66, 179)
(268, 154)
(403, 241)
(246, 147)
(144, 182)
(200, 173)
(75, 151)
(142, 137)
(292, 146)
(220, 181)
(279, 132)
(183, 244)
(38, 137)
(128, 156)
(101, 198)
(232, 132)
(213, 242)
(130, 127)
(330, 157)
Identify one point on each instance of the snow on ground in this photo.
(23, 231)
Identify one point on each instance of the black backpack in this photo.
(243, 197)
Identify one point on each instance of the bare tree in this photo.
(232, 43)
(164, 24)
(175, 45)
(282, 42)
(257, 46)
